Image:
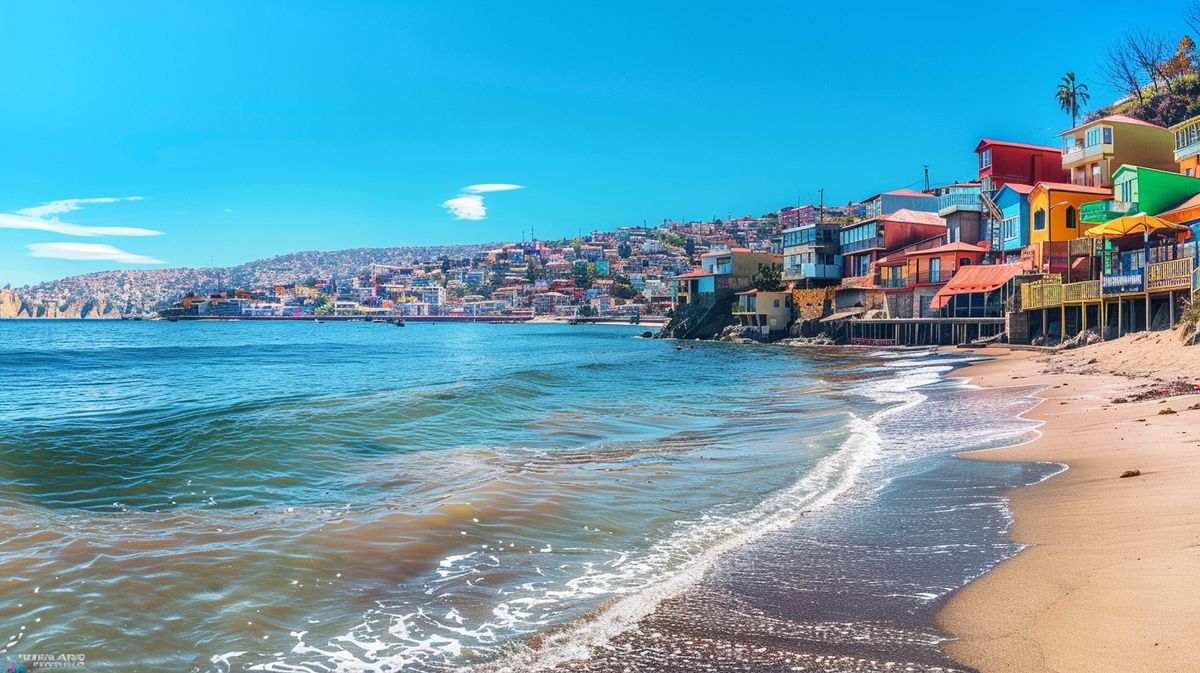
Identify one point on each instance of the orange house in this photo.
(937, 265)
(1054, 220)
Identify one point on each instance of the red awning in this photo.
(976, 278)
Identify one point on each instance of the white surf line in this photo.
(579, 641)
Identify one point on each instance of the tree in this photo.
(624, 250)
(1149, 51)
(690, 247)
(1121, 71)
(768, 279)
(1071, 96)
(1184, 61)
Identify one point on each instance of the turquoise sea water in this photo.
(354, 496)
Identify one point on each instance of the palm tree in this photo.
(1071, 96)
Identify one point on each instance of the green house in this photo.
(1137, 189)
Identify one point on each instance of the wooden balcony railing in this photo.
(1171, 275)
(1042, 293)
(1085, 290)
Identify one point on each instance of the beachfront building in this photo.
(1003, 163)
(1137, 189)
(1092, 151)
(899, 199)
(1054, 220)
(960, 206)
(812, 255)
(1187, 146)
(1013, 221)
(767, 313)
(863, 243)
(721, 273)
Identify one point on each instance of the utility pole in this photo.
(821, 208)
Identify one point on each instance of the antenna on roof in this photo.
(926, 167)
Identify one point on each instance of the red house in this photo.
(1002, 162)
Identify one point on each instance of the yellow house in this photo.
(768, 313)
(722, 272)
(1054, 219)
(1187, 146)
(1092, 151)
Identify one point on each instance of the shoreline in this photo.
(1110, 576)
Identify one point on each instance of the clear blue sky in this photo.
(252, 129)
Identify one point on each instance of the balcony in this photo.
(1072, 154)
(1085, 290)
(815, 271)
(864, 244)
(1103, 211)
(965, 200)
(1044, 293)
(1173, 275)
(1122, 283)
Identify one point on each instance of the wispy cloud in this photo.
(491, 187)
(67, 205)
(469, 204)
(88, 252)
(57, 226)
(466, 207)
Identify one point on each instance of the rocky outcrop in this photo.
(699, 321)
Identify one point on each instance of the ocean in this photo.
(256, 496)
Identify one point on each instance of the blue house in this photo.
(1013, 201)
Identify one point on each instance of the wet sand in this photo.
(1111, 581)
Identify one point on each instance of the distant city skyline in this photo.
(144, 135)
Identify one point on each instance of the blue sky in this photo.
(253, 129)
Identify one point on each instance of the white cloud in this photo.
(68, 205)
(466, 207)
(469, 204)
(491, 187)
(57, 226)
(88, 252)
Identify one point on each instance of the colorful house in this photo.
(721, 273)
(899, 199)
(1137, 189)
(1054, 220)
(1092, 151)
(812, 255)
(961, 207)
(768, 313)
(1187, 146)
(1012, 200)
(1002, 163)
(865, 242)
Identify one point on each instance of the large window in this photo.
(1107, 135)
(985, 158)
(1039, 219)
(1071, 217)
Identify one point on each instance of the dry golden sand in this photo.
(1111, 581)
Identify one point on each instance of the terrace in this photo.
(1109, 209)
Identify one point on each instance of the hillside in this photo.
(111, 294)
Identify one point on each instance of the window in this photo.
(965, 261)
(1070, 217)
(1127, 191)
(776, 303)
(985, 158)
(1039, 219)
(1107, 135)
(1189, 172)
(935, 270)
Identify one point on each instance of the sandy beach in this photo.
(1111, 579)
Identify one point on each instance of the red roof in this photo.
(694, 273)
(1185, 205)
(1018, 187)
(913, 216)
(1120, 119)
(957, 246)
(988, 142)
(1068, 187)
(975, 278)
(898, 192)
